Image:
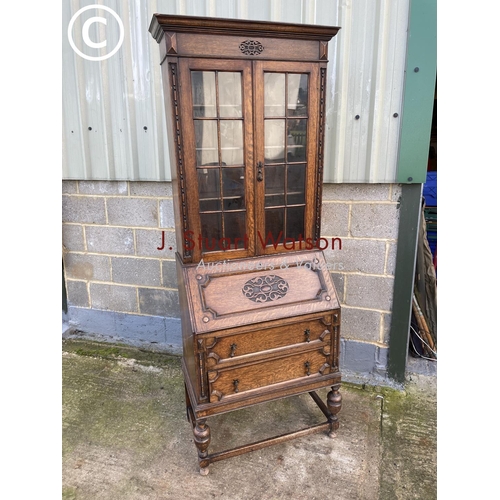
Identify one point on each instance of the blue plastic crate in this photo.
(430, 189)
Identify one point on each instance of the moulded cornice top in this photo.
(161, 23)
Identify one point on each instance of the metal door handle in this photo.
(260, 175)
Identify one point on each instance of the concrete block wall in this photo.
(122, 288)
(366, 218)
(119, 284)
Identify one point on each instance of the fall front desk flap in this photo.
(227, 294)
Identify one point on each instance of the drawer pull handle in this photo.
(233, 348)
(308, 366)
(307, 333)
(235, 383)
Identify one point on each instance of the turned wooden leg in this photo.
(334, 403)
(201, 432)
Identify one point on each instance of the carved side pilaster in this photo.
(174, 84)
(321, 140)
(201, 354)
(335, 343)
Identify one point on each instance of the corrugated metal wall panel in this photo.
(367, 81)
(114, 126)
(121, 99)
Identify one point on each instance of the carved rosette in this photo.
(251, 47)
(265, 288)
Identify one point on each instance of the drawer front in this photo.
(226, 382)
(233, 346)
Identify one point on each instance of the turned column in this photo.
(201, 432)
(334, 403)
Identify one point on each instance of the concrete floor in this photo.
(125, 436)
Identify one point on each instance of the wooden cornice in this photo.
(161, 23)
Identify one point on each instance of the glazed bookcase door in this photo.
(286, 138)
(217, 125)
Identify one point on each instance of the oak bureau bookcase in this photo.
(245, 104)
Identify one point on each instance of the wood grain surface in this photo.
(218, 301)
(226, 382)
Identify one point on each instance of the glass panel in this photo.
(274, 132)
(295, 222)
(229, 95)
(274, 226)
(296, 140)
(231, 141)
(275, 185)
(233, 187)
(274, 94)
(234, 225)
(296, 184)
(205, 132)
(209, 189)
(297, 95)
(203, 85)
(211, 231)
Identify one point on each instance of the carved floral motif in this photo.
(265, 288)
(251, 47)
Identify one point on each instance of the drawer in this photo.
(233, 346)
(225, 382)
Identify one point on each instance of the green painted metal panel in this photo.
(419, 90)
(409, 218)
